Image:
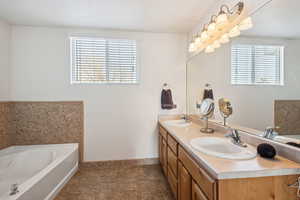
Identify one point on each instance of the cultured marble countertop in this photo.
(221, 168)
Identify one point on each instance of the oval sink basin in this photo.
(222, 148)
(180, 123)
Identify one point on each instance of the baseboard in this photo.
(131, 162)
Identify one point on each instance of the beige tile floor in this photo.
(120, 182)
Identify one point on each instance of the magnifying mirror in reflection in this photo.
(206, 110)
(225, 109)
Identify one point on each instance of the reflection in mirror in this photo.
(225, 109)
(259, 72)
(206, 110)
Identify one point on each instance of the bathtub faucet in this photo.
(14, 189)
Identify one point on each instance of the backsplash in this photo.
(287, 116)
(42, 123)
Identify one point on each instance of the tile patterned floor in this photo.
(123, 182)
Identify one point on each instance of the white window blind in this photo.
(100, 60)
(256, 64)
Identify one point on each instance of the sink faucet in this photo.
(184, 117)
(270, 133)
(14, 189)
(234, 134)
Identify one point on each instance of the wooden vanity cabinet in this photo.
(168, 159)
(189, 181)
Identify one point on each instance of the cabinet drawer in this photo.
(205, 182)
(172, 144)
(163, 132)
(172, 161)
(173, 182)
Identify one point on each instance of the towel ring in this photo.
(296, 185)
(166, 86)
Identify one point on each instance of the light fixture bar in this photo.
(227, 24)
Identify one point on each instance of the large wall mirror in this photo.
(259, 72)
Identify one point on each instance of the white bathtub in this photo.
(39, 170)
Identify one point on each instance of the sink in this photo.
(222, 148)
(180, 123)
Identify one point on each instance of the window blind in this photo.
(256, 64)
(100, 60)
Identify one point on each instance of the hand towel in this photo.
(167, 100)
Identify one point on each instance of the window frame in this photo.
(70, 38)
(282, 65)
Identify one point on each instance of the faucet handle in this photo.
(232, 133)
(270, 128)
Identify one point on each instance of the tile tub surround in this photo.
(48, 123)
(287, 116)
(114, 182)
(6, 127)
(228, 169)
(30, 123)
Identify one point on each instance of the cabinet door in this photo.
(164, 155)
(197, 194)
(185, 183)
(160, 151)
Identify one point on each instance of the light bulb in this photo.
(204, 36)
(211, 28)
(192, 47)
(246, 24)
(224, 38)
(235, 31)
(197, 41)
(222, 19)
(216, 44)
(209, 49)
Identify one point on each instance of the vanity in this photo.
(194, 175)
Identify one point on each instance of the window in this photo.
(99, 60)
(256, 65)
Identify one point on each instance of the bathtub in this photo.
(39, 171)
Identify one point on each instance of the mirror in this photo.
(207, 108)
(258, 72)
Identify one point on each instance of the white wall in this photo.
(253, 106)
(5, 38)
(120, 120)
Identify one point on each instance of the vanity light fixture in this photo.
(224, 38)
(212, 25)
(227, 24)
(246, 24)
(197, 41)
(209, 49)
(216, 44)
(204, 34)
(234, 32)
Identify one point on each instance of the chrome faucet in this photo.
(270, 133)
(14, 189)
(185, 118)
(234, 134)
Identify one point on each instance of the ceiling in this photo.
(138, 15)
(279, 18)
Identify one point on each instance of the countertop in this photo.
(221, 168)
